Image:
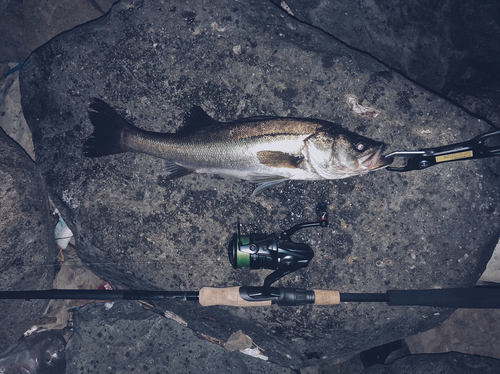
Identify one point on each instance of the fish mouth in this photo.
(375, 160)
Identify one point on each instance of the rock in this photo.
(449, 47)
(152, 62)
(11, 114)
(443, 363)
(27, 246)
(3, 5)
(439, 44)
(128, 339)
(238, 341)
(470, 331)
(27, 24)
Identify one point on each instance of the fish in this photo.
(264, 150)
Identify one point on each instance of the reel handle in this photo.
(231, 296)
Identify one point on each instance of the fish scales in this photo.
(265, 150)
(237, 145)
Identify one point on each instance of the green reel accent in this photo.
(242, 258)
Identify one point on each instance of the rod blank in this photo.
(478, 297)
(100, 295)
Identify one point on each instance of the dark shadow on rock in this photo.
(128, 339)
(442, 363)
(27, 245)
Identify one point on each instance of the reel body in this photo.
(270, 251)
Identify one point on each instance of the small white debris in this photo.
(362, 110)
(254, 352)
(62, 232)
(70, 200)
(215, 26)
(108, 305)
(286, 8)
(237, 49)
(30, 331)
(426, 132)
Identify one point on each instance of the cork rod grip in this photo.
(325, 297)
(210, 296)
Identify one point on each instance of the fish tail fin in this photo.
(109, 127)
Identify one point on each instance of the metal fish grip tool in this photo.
(482, 146)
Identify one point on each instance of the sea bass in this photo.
(265, 150)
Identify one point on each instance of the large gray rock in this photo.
(27, 24)
(27, 246)
(128, 339)
(3, 5)
(443, 363)
(439, 44)
(153, 61)
(448, 46)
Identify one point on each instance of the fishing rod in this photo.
(477, 297)
(280, 253)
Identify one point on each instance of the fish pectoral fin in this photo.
(177, 171)
(265, 181)
(277, 159)
(266, 185)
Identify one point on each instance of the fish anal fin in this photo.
(277, 159)
(177, 171)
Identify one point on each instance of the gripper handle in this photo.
(210, 296)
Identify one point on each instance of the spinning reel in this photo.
(280, 253)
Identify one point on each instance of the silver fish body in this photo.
(262, 150)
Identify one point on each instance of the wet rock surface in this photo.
(111, 341)
(449, 47)
(27, 24)
(440, 45)
(444, 363)
(152, 62)
(27, 246)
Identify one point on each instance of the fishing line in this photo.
(83, 264)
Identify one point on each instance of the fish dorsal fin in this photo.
(277, 159)
(197, 118)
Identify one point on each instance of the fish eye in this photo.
(360, 146)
